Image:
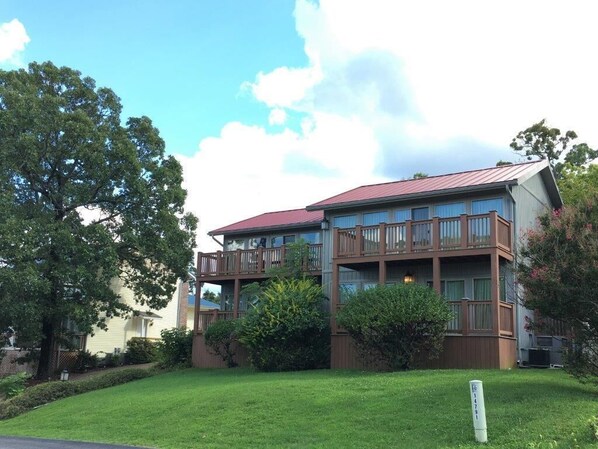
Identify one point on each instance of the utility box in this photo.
(539, 358)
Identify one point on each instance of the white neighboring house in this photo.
(148, 323)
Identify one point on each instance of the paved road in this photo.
(38, 443)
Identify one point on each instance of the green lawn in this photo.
(323, 409)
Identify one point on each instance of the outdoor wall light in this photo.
(64, 376)
(409, 278)
(324, 225)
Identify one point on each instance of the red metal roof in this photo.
(285, 218)
(433, 184)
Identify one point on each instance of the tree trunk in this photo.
(45, 367)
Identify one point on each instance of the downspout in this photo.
(214, 238)
(514, 243)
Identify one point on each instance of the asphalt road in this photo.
(38, 443)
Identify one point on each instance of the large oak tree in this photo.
(84, 199)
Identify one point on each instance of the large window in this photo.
(485, 206)
(374, 218)
(235, 244)
(278, 241)
(346, 290)
(259, 242)
(449, 210)
(451, 290)
(482, 289)
(313, 238)
(345, 221)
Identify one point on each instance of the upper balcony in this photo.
(466, 232)
(253, 263)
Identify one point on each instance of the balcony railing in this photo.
(438, 234)
(205, 318)
(254, 261)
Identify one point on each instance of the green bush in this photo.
(287, 329)
(13, 385)
(220, 336)
(395, 324)
(52, 391)
(140, 350)
(85, 361)
(174, 349)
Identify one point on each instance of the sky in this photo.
(277, 104)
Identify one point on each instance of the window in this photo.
(345, 221)
(485, 206)
(449, 210)
(278, 241)
(451, 290)
(420, 213)
(312, 238)
(259, 242)
(346, 290)
(368, 285)
(482, 289)
(235, 244)
(402, 215)
(375, 218)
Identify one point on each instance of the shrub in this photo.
(220, 336)
(175, 347)
(287, 329)
(140, 350)
(13, 385)
(52, 391)
(85, 361)
(396, 323)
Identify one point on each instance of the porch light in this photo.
(324, 225)
(64, 375)
(409, 278)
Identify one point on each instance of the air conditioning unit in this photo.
(554, 345)
(539, 358)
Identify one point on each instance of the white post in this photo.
(478, 410)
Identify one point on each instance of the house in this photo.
(205, 305)
(457, 233)
(144, 322)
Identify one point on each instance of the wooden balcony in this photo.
(466, 232)
(253, 262)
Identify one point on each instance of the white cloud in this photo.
(277, 116)
(13, 38)
(392, 88)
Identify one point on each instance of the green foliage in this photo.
(85, 361)
(577, 186)
(296, 261)
(174, 349)
(544, 142)
(220, 337)
(140, 350)
(287, 329)
(52, 391)
(85, 199)
(394, 324)
(13, 385)
(558, 269)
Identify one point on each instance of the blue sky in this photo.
(276, 104)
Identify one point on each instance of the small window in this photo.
(402, 215)
(346, 290)
(375, 218)
(235, 244)
(278, 241)
(420, 213)
(449, 210)
(345, 221)
(485, 206)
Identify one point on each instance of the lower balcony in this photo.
(254, 262)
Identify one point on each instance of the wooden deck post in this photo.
(236, 297)
(493, 229)
(238, 262)
(260, 260)
(335, 243)
(464, 317)
(198, 286)
(382, 249)
(464, 231)
(219, 267)
(436, 275)
(408, 237)
(381, 272)
(495, 286)
(435, 234)
(358, 241)
(334, 296)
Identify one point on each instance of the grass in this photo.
(211, 409)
